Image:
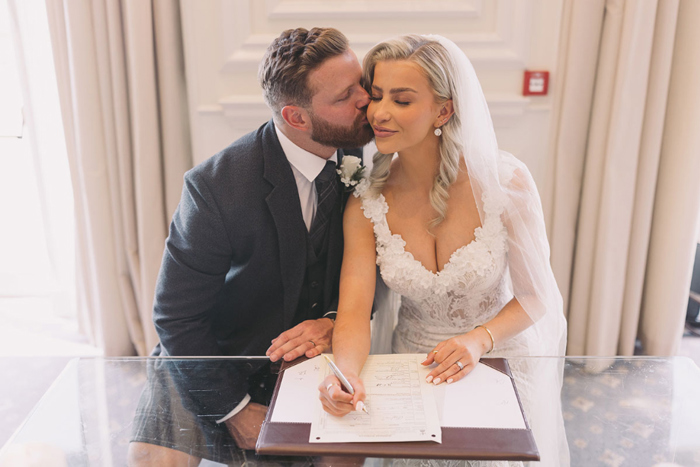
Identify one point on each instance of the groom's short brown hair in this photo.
(284, 70)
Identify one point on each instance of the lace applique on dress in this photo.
(477, 261)
(469, 290)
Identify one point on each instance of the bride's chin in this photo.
(384, 148)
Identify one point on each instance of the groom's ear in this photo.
(296, 117)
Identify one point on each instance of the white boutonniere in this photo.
(350, 171)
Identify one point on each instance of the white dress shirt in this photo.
(306, 167)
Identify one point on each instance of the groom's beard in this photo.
(337, 136)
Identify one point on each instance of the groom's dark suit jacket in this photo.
(235, 259)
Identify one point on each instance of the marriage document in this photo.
(401, 404)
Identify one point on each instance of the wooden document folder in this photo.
(288, 438)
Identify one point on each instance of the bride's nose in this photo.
(379, 112)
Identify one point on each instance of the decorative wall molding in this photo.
(245, 112)
(506, 46)
(225, 40)
(364, 9)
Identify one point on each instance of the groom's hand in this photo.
(245, 425)
(310, 338)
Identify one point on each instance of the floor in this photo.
(35, 347)
(30, 328)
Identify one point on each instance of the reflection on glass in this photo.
(186, 406)
(616, 411)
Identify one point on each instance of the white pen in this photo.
(344, 381)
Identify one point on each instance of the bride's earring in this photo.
(438, 131)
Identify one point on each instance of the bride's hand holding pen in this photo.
(341, 393)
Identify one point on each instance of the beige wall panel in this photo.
(225, 40)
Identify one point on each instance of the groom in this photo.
(255, 245)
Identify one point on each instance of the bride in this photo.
(454, 224)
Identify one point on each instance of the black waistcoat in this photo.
(311, 298)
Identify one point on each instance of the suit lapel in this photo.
(283, 202)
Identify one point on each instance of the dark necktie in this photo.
(327, 190)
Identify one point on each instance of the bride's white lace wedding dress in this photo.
(470, 290)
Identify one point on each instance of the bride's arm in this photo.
(351, 336)
(351, 333)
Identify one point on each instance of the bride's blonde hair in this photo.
(434, 60)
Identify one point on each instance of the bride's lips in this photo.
(381, 132)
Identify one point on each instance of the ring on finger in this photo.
(312, 343)
(460, 365)
(330, 385)
(435, 351)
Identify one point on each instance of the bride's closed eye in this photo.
(377, 99)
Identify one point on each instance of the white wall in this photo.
(225, 40)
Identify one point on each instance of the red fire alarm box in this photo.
(535, 83)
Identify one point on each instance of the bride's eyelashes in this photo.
(377, 99)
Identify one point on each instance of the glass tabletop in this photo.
(616, 412)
